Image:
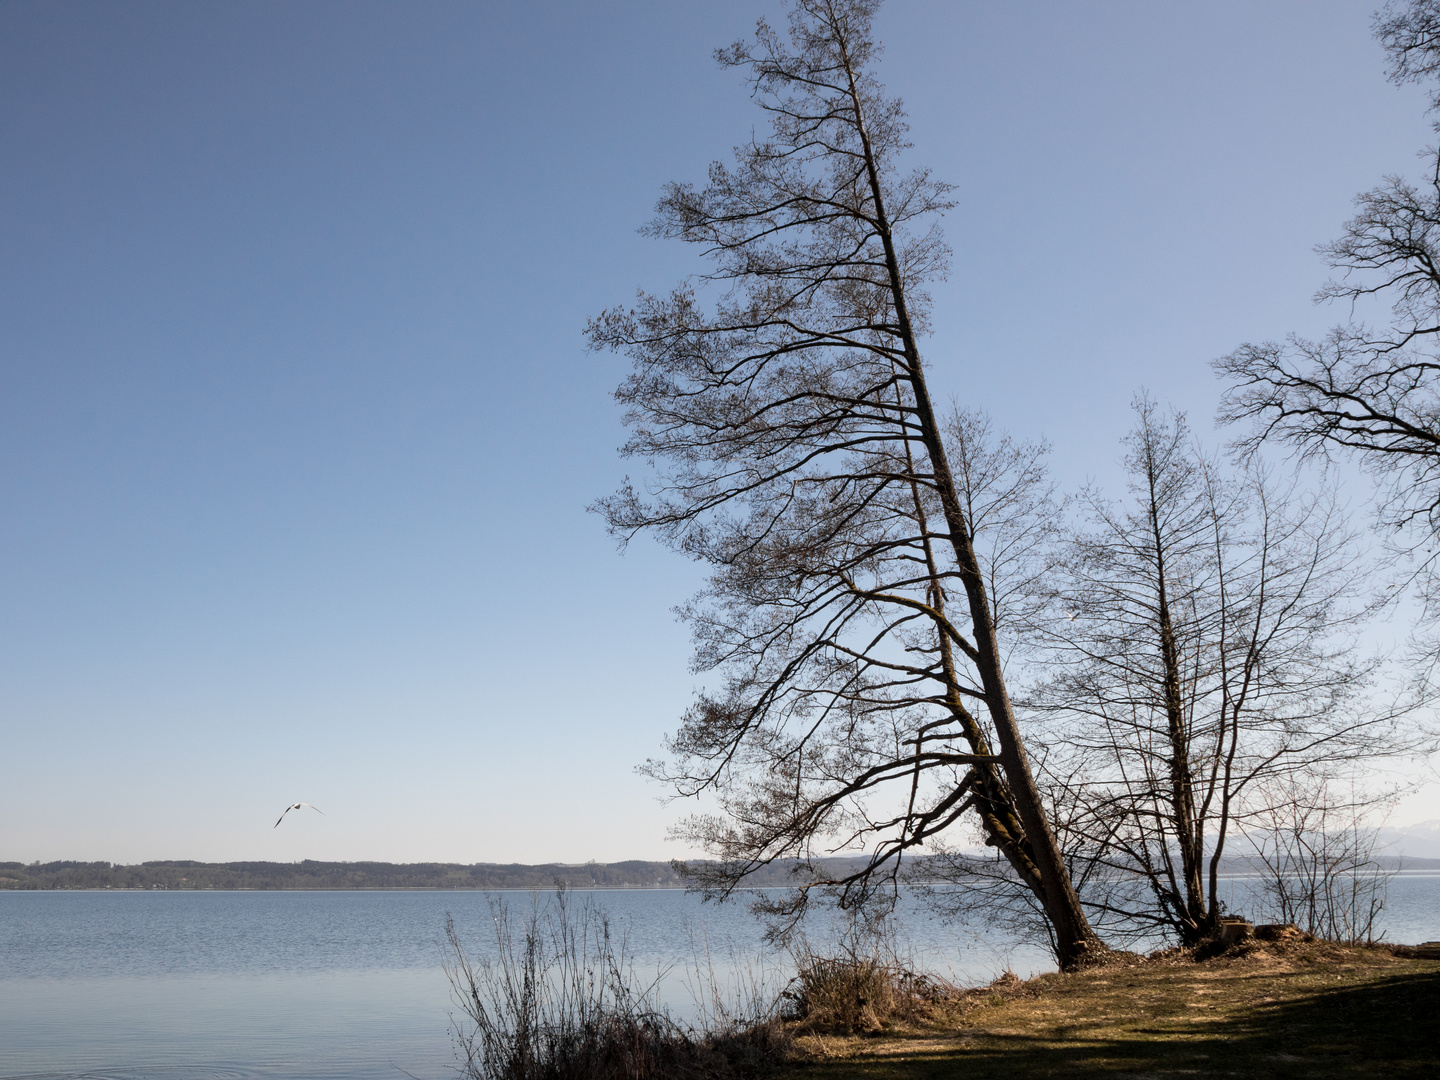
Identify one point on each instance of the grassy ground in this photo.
(1272, 1010)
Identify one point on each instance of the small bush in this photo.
(863, 988)
(561, 1002)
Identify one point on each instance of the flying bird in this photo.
(297, 806)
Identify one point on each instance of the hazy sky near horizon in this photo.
(297, 427)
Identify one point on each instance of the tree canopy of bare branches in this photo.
(1202, 644)
(795, 450)
(1365, 391)
(1410, 33)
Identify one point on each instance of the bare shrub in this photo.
(1317, 859)
(561, 1001)
(861, 986)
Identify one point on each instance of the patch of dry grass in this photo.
(1284, 1008)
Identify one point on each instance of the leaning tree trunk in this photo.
(1075, 941)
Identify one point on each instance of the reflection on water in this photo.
(136, 985)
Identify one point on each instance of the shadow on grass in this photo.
(1387, 1027)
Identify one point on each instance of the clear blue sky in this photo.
(297, 429)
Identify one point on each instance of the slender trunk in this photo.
(1074, 938)
(1222, 773)
(1190, 908)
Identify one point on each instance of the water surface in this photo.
(317, 984)
(321, 985)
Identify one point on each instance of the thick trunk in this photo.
(1075, 941)
(991, 798)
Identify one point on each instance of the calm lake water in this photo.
(232, 985)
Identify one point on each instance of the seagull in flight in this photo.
(296, 806)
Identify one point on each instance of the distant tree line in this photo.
(312, 874)
(320, 876)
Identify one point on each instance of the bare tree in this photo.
(1316, 852)
(1372, 393)
(1202, 640)
(797, 452)
(1410, 33)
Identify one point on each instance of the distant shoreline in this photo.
(314, 876)
(309, 874)
(1430, 873)
(377, 889)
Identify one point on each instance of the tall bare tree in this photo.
(1203, 638)
(796, 451)
(1370, 392)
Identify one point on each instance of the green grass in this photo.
(1278, 1011)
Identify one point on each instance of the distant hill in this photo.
(1421, 840)
(631, 874)
(186, 874)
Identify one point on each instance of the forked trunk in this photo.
(1193, 915)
